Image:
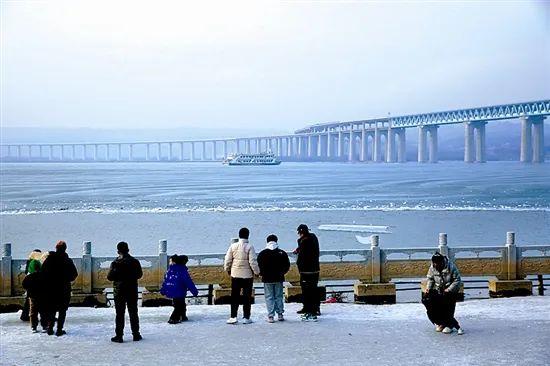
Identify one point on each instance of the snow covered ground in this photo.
(498, 332)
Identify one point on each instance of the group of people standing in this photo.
(48, 286)
(271, 265)
(49, 277)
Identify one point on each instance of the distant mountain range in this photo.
(503, 138)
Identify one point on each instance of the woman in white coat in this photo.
(241, 264)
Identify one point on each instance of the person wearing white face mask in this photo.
(274, 264)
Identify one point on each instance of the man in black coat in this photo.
(308, 266)
(274, 264)
(58, 271)
(125, 272)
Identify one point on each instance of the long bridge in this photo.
(372, 140)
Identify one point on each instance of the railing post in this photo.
(210, 294)
(511, 255)
(375, 252)
(5, 270)
(541, 284)
(163, 261)
(443, 248)
(86, 269)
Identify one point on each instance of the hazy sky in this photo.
(160, 64)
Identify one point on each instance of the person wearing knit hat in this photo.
(58, 272)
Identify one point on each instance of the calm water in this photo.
(198, 207)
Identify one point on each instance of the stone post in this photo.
(375, 256)
(511, 255)
(5, 270)
(214, 150)
(163, 260)
(443, 248)
(376, 291)
(510, 284)
(86, 269)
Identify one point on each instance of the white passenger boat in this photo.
(267, 158)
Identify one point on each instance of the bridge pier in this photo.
(480, 142)
(538, 140)
(402, 147)
(390, 146)
(351, 150)
(526, 141)
(376, 145)
(422, 135)
(468, 142)
(340, 145)
(433, 146)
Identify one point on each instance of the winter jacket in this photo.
(240, 259)
(33, 283)
(58, 271)
(125, 272)
(273, 263)
(447, 279)
(177, 281)
(308, 254)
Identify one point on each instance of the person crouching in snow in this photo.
(33, 283)
(175, 286)
(274, 264)
(441, 294)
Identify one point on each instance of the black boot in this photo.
(117, 339)
(60, 332)
(137, 337)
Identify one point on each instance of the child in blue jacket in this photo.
(176, 283)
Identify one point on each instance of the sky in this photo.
(263, 64)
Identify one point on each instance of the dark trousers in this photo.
(36, 309)
(238, 284)
(61, 316)
(122, 301)
(25, 311)
(441, 308)
(310, 295)
(180, 310)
